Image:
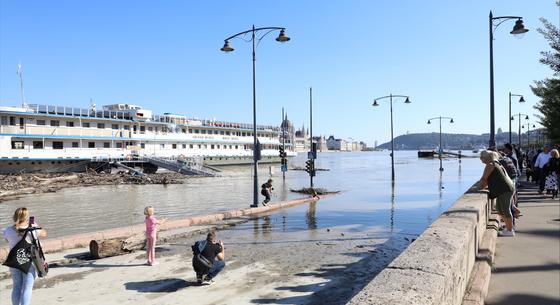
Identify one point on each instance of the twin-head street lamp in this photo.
(519, 28)
(519, 121)
(440, 153)
(407, 101)
(255, 40)
(521, 100)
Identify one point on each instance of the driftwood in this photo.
(106, 248)
(112, 247)
(313, 191)
(45, 181)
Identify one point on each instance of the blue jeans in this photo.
(216, 268)
(23, 286)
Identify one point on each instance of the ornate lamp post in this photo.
(390, 97)
(440, 153)
(521, 100)
(519, 121)
(255, 40)
(519, 28)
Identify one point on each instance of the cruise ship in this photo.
(57, 138)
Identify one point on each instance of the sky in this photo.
(165, 56)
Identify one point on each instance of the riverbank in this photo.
(12, 186)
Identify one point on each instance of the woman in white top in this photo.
(22, 282)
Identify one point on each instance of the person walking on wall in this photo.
(266, 191)
(500, 187)
(22, 282)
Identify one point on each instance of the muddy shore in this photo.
(12, 186)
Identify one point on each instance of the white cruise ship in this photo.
(58, 138)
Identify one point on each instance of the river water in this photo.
(367, 199)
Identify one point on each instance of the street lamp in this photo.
(521, 100)
(255, 40)
(519, 28)
(440, 153)
(528, 132)
(407, 101)
(519, 121)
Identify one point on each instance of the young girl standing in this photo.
(151, 233)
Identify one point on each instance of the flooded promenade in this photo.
(317, 253)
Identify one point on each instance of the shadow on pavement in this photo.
(166, 285)
(554, 233)
(553, 266)
(525, 299)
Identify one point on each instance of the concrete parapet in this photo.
(434, 269)
(82, 240)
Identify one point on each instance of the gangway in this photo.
(135, 171)
(185, 167)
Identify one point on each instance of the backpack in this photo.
(200, 262)
(509, 167)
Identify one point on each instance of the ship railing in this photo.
(79, 112)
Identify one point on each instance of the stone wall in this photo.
(434, 269)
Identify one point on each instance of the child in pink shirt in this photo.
(151, 233)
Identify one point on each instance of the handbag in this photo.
(19, 256)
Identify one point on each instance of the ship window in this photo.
(150, 128)
(142, 129)
(184, 130)
(37, 144)
(162, 146)
(57, 145)
(142, 145)
(230, 147)
(184, 146)
(41, 122)
(69, 124)
(55, 123)
(119, 145)
(190, 130)
(91, 144)
(236, 146)
(199, 146)
(17, 145)
(222, 132)
(196, 131)
(203, 131)
(216, 132)
(212, 146)
(106, 145)
(115, 126)
(190, 146)
(4, 120)
(126, 127)
(174, 146)
(101, 125)
(12, 120)
(227, 133)
(75, 144)
(85, 125)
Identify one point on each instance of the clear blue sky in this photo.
(164, 55)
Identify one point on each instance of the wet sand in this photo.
(264, 265)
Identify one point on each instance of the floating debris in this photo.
(314, 191)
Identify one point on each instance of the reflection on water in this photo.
(368, 198)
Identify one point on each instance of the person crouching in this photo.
(208, 259)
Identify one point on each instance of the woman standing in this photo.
(551, 171)
(22, 282)
(500, 187)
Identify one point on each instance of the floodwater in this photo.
(367, 199)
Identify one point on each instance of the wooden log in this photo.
(106, 248)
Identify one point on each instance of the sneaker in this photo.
(208, 280)
(264, 204)
(199, 280)
(253, 206)
(506, 233)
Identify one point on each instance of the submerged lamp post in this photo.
(390, 97)
(440, 153)
(521, 100)
(519, 131)
(519, 28)
(255, 40)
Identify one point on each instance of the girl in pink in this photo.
(151, 233)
